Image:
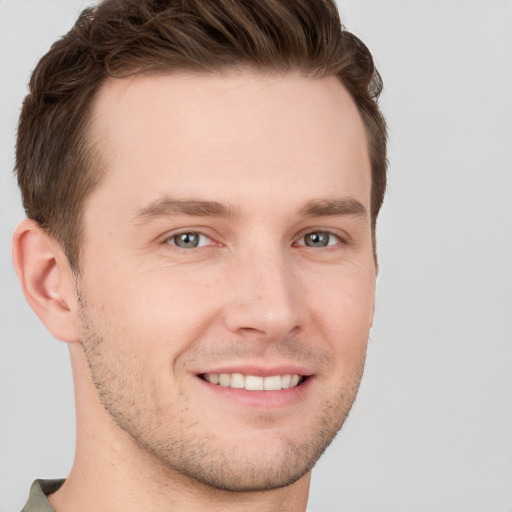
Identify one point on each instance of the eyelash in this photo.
(330, 247)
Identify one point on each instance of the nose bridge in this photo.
(264, 298)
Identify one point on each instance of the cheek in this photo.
(343, 310)
(347, 294)
(152, 308)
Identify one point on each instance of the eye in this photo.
(319, 239)
(189, 240)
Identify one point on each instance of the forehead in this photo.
(215, 136)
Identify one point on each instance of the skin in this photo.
(255, 164)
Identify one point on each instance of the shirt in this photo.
(37, 500)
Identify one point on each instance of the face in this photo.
(227, 276)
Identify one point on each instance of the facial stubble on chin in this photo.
(188, 447)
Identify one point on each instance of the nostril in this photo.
(251, 331)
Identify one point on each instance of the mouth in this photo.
(254, 382)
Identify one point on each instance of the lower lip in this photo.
(260, 399)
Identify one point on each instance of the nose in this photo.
(265, 298)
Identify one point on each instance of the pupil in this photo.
(317, 239)
(188, 240)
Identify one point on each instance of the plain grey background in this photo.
(431, 429)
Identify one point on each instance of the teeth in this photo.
(253, 382)
(237, 381)
(285, 381)
(272, 383)
(224, 379)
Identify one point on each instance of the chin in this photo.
(245, 466)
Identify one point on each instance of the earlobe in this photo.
(46, 279)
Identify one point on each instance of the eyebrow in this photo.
(169, 207)
(333, 207)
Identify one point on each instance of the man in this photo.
(202, 182)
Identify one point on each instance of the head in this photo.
(211, 173)
(58, 158)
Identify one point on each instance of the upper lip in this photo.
(260, 371)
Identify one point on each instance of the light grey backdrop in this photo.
(431, 430)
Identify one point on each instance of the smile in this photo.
(253, 382)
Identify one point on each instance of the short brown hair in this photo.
(56, 161)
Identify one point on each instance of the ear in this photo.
(47, 280)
